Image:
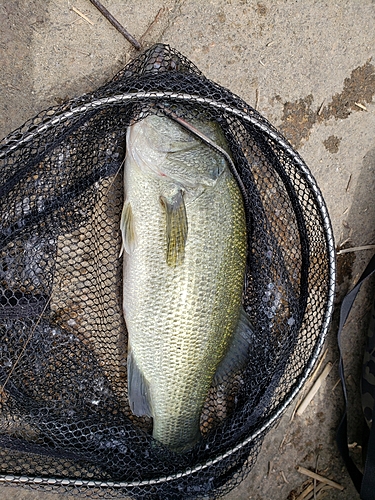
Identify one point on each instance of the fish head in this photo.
(163, 147)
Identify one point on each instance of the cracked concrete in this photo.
(308, 66)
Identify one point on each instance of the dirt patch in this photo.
(358, 89)
(299, 117)
(297, 120)
(332, 143)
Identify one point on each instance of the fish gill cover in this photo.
(65, 420)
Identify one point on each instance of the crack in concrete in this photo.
(157, 28)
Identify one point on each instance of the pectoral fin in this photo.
(138, 389)
(176, 228)
(127, 229)
(238, 352)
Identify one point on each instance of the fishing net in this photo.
(65, 419)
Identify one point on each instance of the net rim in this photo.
(281, 142)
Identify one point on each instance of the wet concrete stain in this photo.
(358, 89)
(299, 116)
(332, 143)
(297, 120)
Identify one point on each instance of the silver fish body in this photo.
(184, 236)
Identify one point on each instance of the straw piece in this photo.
(348, 184)
(320, 108)
(74, 9)
(319, 365)
(312, 377)
(355, 249)
(314, 389)
(285, 479)
(320, 478)
(336, 384)
(305, 492)
(360, 106)
(282, 442)
(269, 469)
(308, 492)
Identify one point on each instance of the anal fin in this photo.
(138, 389)
(176, 228)
(237, 354)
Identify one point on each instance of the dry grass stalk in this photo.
(348, 184)
(336, 384)
(282, 442)
(314, 389)
(320, 108)
(284, 478)
(360, 106)
(319, 365)
(312, 377)
(308, 492)
(74, 9)
(269, 470)
(356, 249)
(320, 478)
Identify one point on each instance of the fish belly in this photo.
(180, 319)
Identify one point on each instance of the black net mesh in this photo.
(65, 419)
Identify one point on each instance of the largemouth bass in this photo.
(184, 240)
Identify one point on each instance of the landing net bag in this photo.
(65, 421)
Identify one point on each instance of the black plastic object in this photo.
(65, 421)
(363, 482)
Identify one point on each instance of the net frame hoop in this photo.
(287, 148)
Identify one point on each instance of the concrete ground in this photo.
(309, 67)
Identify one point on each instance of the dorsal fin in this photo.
(176, 228)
